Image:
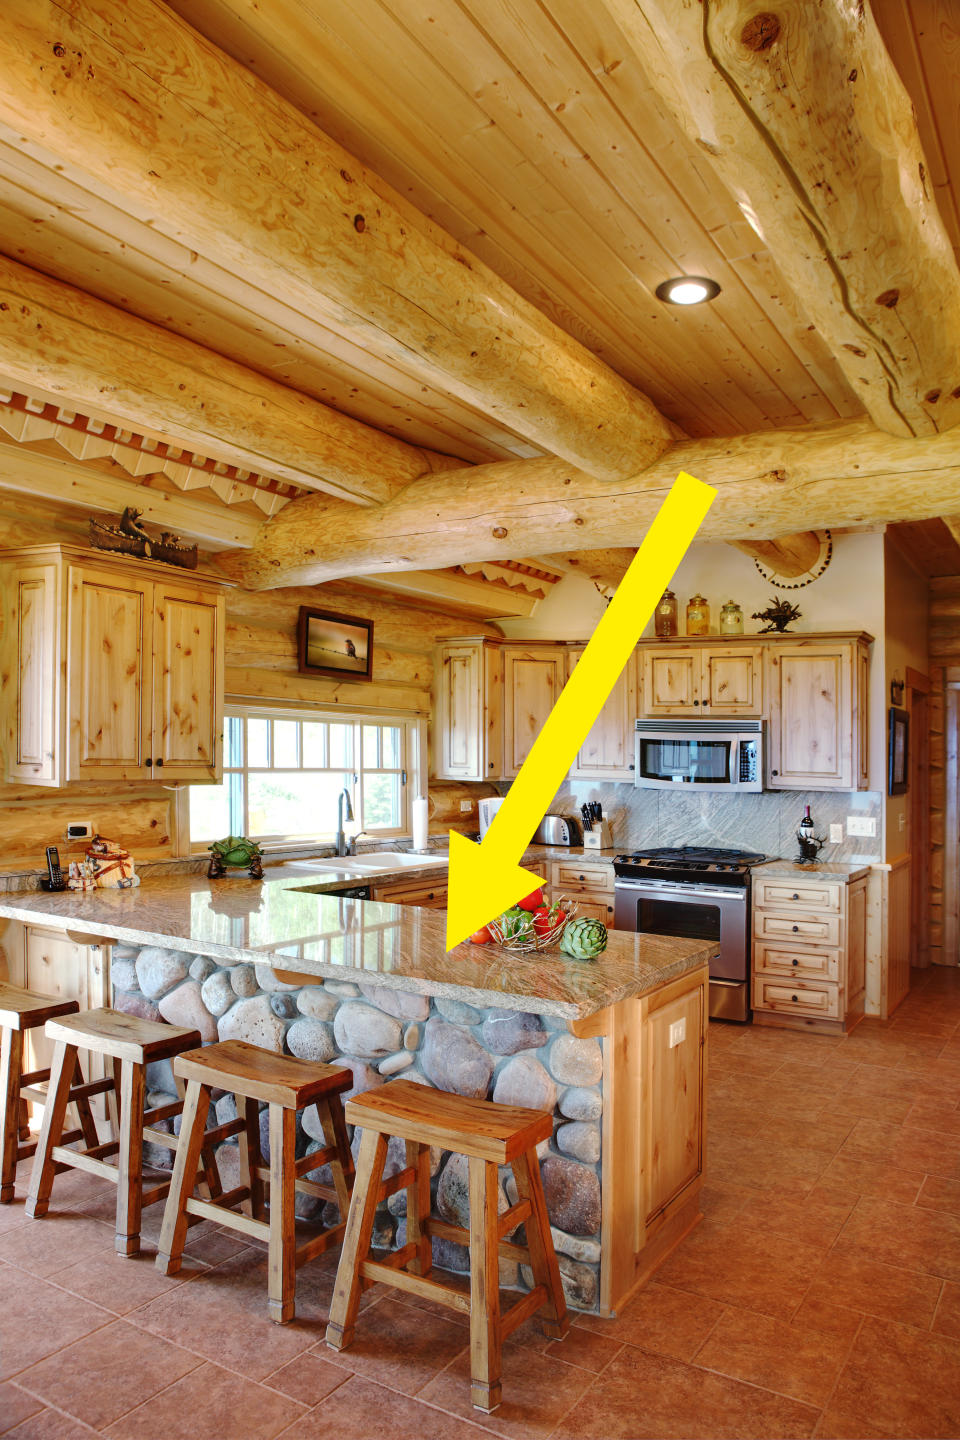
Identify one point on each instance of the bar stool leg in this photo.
(335, 1133)
(418, 1206)
(356, 1239)
(54, 1111)
(251, 1159)
(173, 1231)
(11, 1068)
(282, 1266)
(130, 1159)
(485, 1339)
(84, 1113)
(554, 1319)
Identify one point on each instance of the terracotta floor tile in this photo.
(60, 1238)
(643, 1395)
(309, 1378)
(222, 1315)
(537, 1393)
(36, 1318)
(760, 1271)
(661, 1319)
(50, 1425)
(937, 1194)
(360, 1410)
(902, 1380)
(210, 1402)
(815, 1219)
(836, 1320)
(393, 1348)
(904, 1235)
(866, 1105)
(934, 1114)
(122, 1283)
(762, 1162)
(947, 1319)
(585, 1349)
(12, 1214)
(855, 1280)
(101, 1377)
(16, 1405)
(872, 1177)
(819, 1134)
(791, 1358)
(837, 1424)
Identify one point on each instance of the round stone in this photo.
(572, 1193)
(576, 1247)
(580, 1283)
(363, 1030)
(131, 1002)
(284, 1005)
(311, 1040)
(580, 1139)
(184, 1006)
(218, 993)
(453, 1060)
(524, 1081)
(201, 968)
(411, 1037)
(253, 1021)
(226, 1108)
(395, 1063)
(267, 980)
(453, 1192)
(123, 973)
(344, 988)
(398, 1003)
(458, 1012)
(446, 1254)
(576, 1062)
(314, 1001)
(364, 1077)
(505, 1032)
(159, 970)
(243, 978)
(578, 1103)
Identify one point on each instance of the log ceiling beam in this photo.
(847, 473)
(126, 95)
(60, 341)
(789, 555)
(803, 116)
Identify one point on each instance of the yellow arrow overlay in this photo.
(487, 879)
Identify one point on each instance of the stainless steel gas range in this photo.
(700, 894)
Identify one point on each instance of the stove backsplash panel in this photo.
(766, 822)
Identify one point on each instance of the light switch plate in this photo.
(466, 806)
(678, 1032)
(836, 834)
(861, 825)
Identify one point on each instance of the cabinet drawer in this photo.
(805, 963)
(807, 998)
(593, 906)
(426, 896)
(574, 875)
(771, 925)
(797, 895)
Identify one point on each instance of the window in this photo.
(283, 773)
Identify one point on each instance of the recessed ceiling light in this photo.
(688, 290)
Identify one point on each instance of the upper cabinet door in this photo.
(532, 680)
(108, 701)
(671, 681)
(731, 681)
(812, 730)
(458, 692)
(607, 752)
(187, 683)
(31, 643)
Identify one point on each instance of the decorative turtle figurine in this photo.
(235, 853)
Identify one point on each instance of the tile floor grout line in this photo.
(57, 1410)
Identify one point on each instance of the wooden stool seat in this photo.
(20, 1011)
(262, 1075)
(286, 1084)
(130, 1044)
(490, 1135)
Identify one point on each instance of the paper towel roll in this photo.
(421, 815)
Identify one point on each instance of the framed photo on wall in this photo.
(898, 751)
(332, 644)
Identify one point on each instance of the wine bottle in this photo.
(806, 824)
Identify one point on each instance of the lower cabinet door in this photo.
(673, 1082)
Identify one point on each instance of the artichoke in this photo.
(583, 939)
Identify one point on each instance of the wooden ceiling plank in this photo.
(188, 136)
(770, 483)
(786, 109)
(476, 596)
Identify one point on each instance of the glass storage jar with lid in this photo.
(731, 619)
(698, 615)
(665, 616)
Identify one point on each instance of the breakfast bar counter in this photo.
(614, 1047)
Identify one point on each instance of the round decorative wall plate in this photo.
(813, 572)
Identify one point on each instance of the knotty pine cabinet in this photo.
(468, 710)
(818, 709)
(809, 950)
(712, 679)
(607, 752)
(112, 669)
(532, 679)
(589, 884)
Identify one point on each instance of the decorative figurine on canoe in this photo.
(131, 538)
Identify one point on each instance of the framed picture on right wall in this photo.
(898, 751)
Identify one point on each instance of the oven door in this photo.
(696, 912)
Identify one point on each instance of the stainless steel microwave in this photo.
(699, 755)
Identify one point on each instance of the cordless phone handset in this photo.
(54, 873)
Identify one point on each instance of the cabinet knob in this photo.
(159, 763)
(774, 772)
(148, 762)
(794, 896)
(794, 998)
(794, 962)
(696, 702)
(796, 929)
(706, 702)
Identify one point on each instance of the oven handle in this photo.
(674, 890)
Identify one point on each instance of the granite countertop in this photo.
(283, 920)
(819, 870)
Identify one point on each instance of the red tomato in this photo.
(532, 902)
(481, 937)
(544, 919)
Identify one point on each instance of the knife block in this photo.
(599, 838)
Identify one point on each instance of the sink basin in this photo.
(376, 863)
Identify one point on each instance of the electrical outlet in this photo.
(836, 834)
(79, 830)
(465, 807)
(861, 825)
(678, 1033)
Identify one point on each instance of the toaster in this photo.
(557, 830)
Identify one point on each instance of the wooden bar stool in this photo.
(20, 1011)
(491, 1135)
(287, 1084)
(131, 1045)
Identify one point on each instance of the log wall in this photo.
(944, 649)
(261, 664)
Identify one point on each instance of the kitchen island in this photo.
(613, 1047)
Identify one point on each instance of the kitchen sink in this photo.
(376, 863)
